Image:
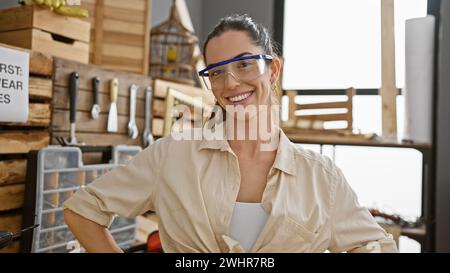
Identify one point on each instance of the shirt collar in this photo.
(284, 159)
(214, 144)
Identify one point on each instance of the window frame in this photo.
(278, 34)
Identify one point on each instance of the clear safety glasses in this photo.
(243, 69)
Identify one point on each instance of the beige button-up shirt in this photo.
(193, 184)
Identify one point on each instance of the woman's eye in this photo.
(245, 64)
(216, 73)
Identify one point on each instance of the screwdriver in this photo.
(6, 237)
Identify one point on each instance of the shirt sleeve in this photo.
(125, 190)
(353, 228)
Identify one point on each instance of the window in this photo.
(329, 44)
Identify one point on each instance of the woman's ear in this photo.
(276, 70)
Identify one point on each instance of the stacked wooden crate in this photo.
(42, 30)
(119, 34)
(17, 139)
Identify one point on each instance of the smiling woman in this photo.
(298, 200)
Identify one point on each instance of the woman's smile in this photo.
(242, 98)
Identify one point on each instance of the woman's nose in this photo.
(231, 81)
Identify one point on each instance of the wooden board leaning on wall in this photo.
(160, 89)
(17, 139)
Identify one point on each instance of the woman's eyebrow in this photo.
(237, 56)
(242, 54)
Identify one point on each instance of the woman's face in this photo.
(232, 44)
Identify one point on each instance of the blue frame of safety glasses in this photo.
(204, 72)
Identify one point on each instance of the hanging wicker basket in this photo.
(172, 46)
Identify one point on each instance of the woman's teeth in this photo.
(240, 97)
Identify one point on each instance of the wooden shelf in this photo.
(352, 140)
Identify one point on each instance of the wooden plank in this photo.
(123, 38)
(12, 171)
(91, 20)
(159, 108)
(351, 140)
(115, 50)
(16, 18)
(77, 51)
(98, 48)
(322, 138)
(85, 100)
(292, 106)
(20, 38)
(70, 27)
(84, 122)
(322, 105)
(40, 63)
(131, 69)
(11, 222)
(11, 196)
(129, 4)
(325, 117)
(39, 115)
(123, 26)
(90, 6)
(388, 89)
(136, 16)
(351, 92)
(147, 27)
(64, 67)
(41, 41)
(158, 127)
(40, 88)
(13, 248)
(13, 142)
(100, 138)
(133, 64)
(160, 88)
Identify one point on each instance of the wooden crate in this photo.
(119, 34)
(42, 30)
(17, 139)
(88, 130)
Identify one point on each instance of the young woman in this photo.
(238, 194)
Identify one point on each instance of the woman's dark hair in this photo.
(242, 22)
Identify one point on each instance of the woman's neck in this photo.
(252, 141)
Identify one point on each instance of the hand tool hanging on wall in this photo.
(112, 117)
(95, 110)
(132, 128)
(148, 136)
(73, 90)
